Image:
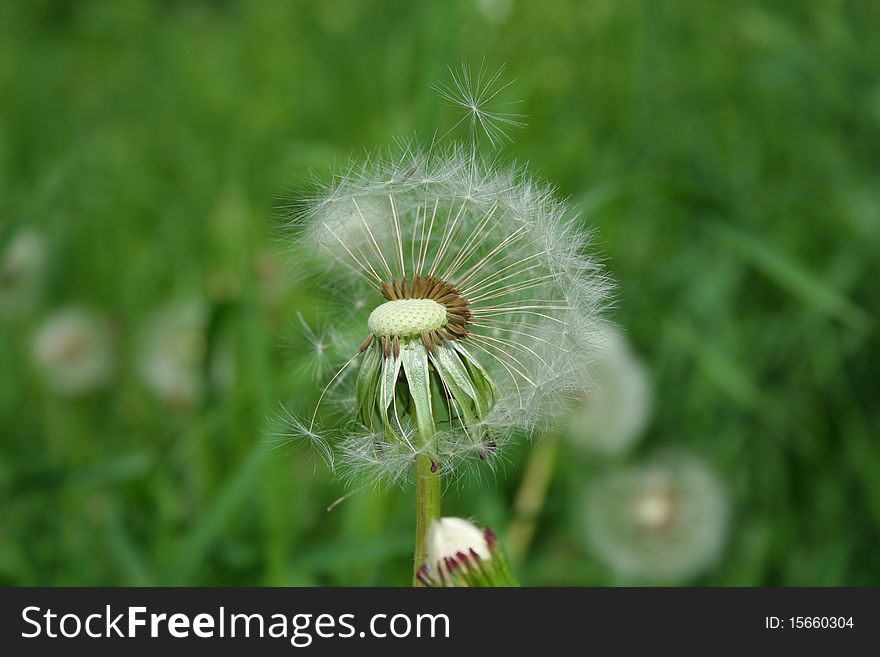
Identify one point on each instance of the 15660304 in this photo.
(808, 622)
(820, 622)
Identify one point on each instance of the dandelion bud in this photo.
(74, 352)
(461, 554)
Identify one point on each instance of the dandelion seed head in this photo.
(614, 412)
(174, 359)
(664, 520)
(449, 267)
(74, 351)
(469, 282)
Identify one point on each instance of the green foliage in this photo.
(725, 153)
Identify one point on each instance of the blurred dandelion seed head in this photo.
(665, 520)
(74, 351)
(22, 273)
(172, 354)
(613, 414)
(494, 11)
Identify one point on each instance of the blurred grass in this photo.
(725, 152)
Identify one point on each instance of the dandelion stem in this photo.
(427, 495)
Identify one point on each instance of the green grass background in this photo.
(728, 153)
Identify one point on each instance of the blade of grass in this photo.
(795, 278)
(196, 544)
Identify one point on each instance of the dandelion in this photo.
(665, 520)
(475, 91)
(480, 315)
(73, 350)
(22, 273)
(173, 356)
(612, 416)
(461, 554)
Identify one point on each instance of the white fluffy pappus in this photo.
(665, 520)
(74, 351)
(505, 257)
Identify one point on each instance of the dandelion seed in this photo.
(22, 273)
(612, 416)
(476, 91)
(665, 520)
(321, 341)
(73, 349)
(290, 429)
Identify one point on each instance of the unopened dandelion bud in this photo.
(461, 554)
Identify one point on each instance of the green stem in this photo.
(427, 507)
(531, 495)
(418, 377)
